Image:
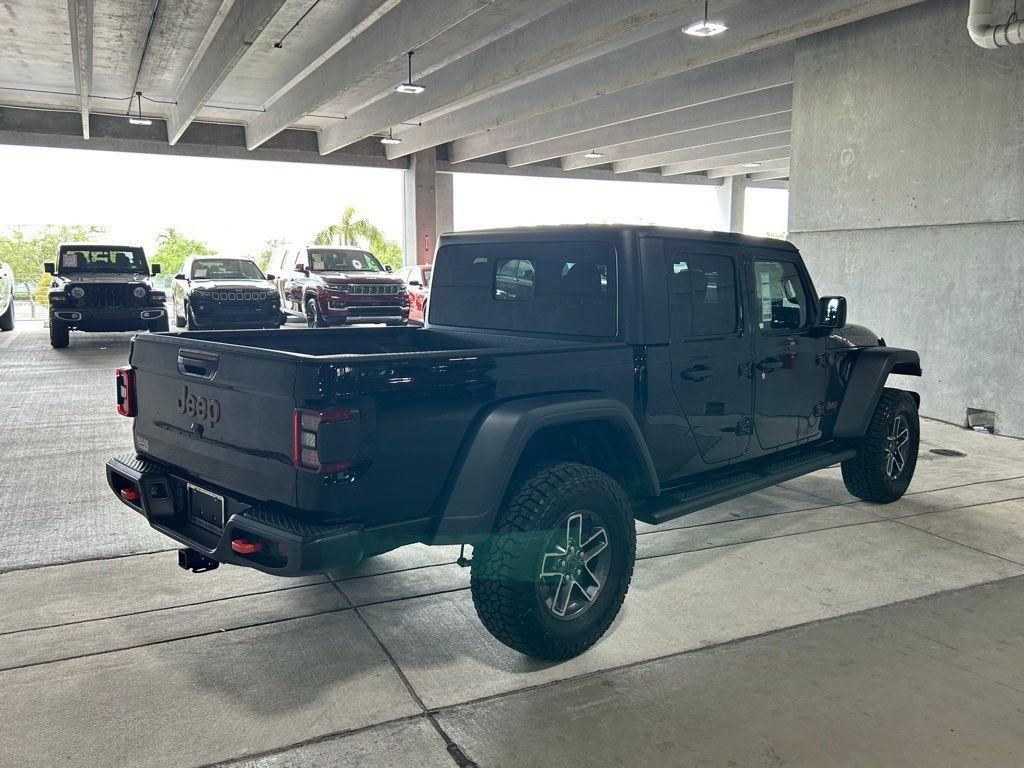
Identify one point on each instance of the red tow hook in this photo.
(246, 547)
(130, 494)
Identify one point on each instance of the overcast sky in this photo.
(237, 205)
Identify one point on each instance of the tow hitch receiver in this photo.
(196, 562)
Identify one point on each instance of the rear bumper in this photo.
(289, 547)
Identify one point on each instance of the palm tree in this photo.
(352, 231)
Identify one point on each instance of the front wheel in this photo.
(551, 579)
(7, 318)
(161, 325)
(313, 317)
(60, 334)
(190, 319)
(882, 470)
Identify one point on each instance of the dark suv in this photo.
(569, 381)
(102, 288)
(217, 292)
(334, 285)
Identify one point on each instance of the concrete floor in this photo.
(796, 626)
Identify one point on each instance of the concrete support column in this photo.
(736, 188)
(421, 213)
(445, 203)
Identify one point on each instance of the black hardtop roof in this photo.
(610, 232)
(97, 247)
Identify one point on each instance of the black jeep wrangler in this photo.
(102, 288)
(625, 373)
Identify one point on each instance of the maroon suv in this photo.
(333, 285)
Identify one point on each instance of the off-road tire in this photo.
(159, 326)
(179, 321)
(7, 318)
(505, 571)
(866, 475)
(190, 319)
(313, 318)
(60, 334)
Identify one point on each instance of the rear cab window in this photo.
(564, 288)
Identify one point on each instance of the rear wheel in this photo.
(60, 334)
(313, 317)
(884, 467)
(552, 578)
(7, 318)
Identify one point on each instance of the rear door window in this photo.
(565, 288)
(703, 295)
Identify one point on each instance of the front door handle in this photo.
(769, 364)
(696, 373)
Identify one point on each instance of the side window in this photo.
(702, 295)
(513, 280)
(781, 297)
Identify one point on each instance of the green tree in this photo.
(263, 257)
(173, 248)
(363, 233)
(27, 249)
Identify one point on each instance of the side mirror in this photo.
(387, 268)
(271, 277)
(301, 268)
(49, 268)
(416, 283)
(180, 276)
(155, 269)
(832, 311)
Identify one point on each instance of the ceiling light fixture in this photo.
(390, 138)
(140, 120)
(593, 155)
(752, 165)
(705, 28)
(409, 86)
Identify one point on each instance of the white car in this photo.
(6, 298)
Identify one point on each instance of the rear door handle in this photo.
(696, 373)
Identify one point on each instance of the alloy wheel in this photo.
(896, 447)
(575, 565)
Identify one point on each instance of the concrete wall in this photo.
(907, 196)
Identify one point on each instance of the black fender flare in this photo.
(864, 387)
(489, 457)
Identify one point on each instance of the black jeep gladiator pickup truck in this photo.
(102, 288)
(568, 381)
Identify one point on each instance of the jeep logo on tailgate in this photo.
(198, 407)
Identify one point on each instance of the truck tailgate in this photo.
(225, 413)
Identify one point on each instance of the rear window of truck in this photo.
(561, 288)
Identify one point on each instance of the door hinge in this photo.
(746, 370)
(745, 427)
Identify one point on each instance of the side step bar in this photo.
(673, 504)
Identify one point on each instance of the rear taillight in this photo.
(126, 404)
(324, 441)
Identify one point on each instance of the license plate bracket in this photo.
(205, 508)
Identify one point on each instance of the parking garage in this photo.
(796, 624)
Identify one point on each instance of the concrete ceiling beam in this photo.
(768, 143)
(753, 27)
(782, 173)
(242, 24)
(379, 41)
(742, 170)
(769, 101)
(80, 23)
(716, 82)
(559, 35)
(741, 136)
(766, 159)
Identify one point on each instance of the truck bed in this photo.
(417, 395)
